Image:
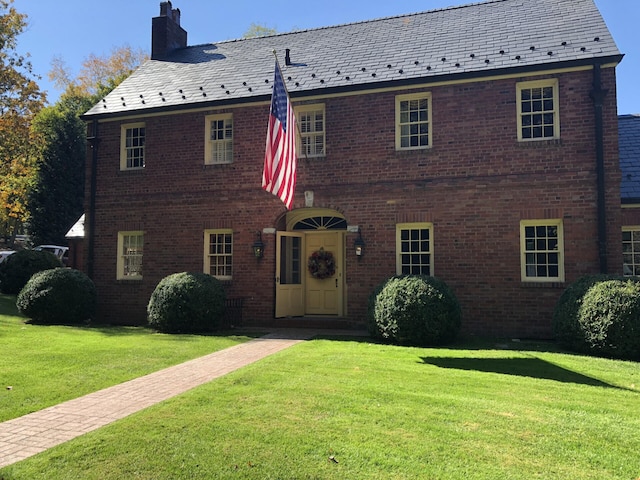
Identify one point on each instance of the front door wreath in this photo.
(321, 264)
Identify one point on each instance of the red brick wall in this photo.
(475, 185)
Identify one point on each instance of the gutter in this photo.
(93, 143)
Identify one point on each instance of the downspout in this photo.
(597, 95)
(93, 143)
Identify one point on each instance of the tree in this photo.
(258, 30)
(20, 100)
(56, 197)
(98, 74)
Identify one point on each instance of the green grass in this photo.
(348, 409)
(46, 365)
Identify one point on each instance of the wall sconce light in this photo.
(358, 244)
(258, 246)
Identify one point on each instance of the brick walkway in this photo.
(30, 434)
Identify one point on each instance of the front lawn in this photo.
(349, 409)
(45, 365)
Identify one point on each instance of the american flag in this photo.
(279, 175)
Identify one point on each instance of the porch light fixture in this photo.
(258, 246)
(358, 244)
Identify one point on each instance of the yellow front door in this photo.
(324, 296)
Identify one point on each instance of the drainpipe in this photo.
(93, 144)
(597, 95)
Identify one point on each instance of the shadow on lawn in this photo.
(523, 367)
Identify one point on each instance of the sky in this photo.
(75, 29)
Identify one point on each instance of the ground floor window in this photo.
(542, 251)
(631, 251)
(414, 249)
(130, 250)
(218, 253)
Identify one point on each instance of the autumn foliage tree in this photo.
(20, 100)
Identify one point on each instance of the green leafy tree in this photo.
(56, 197)
(20, 100)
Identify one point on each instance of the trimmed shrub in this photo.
(18, 268)
(609, 319)
(58, 296)
(566, 328)
(186, 303)
(414, 310)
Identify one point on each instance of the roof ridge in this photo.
(361, 22)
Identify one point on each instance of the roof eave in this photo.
(611, 59)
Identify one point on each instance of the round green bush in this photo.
(566, 328)
(609, 319)
(58, 296)
(18, 268)
(414, 310)
(186, 303)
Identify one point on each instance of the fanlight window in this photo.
(321, 223)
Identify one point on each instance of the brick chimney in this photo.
(166, 33)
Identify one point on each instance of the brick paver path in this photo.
(30, 434)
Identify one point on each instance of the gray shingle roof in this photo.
(478, 39)
(629, 145)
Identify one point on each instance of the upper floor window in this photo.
(631, 251)
(132, 137)
(130, 249)
(413, 121)
(219, 140)
(311, 120)
(218, 253)
(414, 249)
(538, 110)
(542, 251)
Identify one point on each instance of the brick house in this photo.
(461, 143)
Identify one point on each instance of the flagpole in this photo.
(306, 157)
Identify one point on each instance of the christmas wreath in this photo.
(321, 264)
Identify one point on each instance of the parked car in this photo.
(4, 254)
(61, 252)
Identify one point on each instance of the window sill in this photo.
(540, 143)
(131, 171)
(554, 284)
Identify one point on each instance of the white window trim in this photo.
(413, 226)
(523, 252)
(553, 82)
(208, 143)
(207, 256)
(628, 228)
(123, 145)
(299, 111)
(413, 96)
(120, 275)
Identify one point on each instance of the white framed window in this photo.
(130, 250)
(413, 121)
(538, 116)
(218, 253)
(311, 120)
(631, 251)
(132, 139)
(219, 139)
(414, 249)
(542, 250)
